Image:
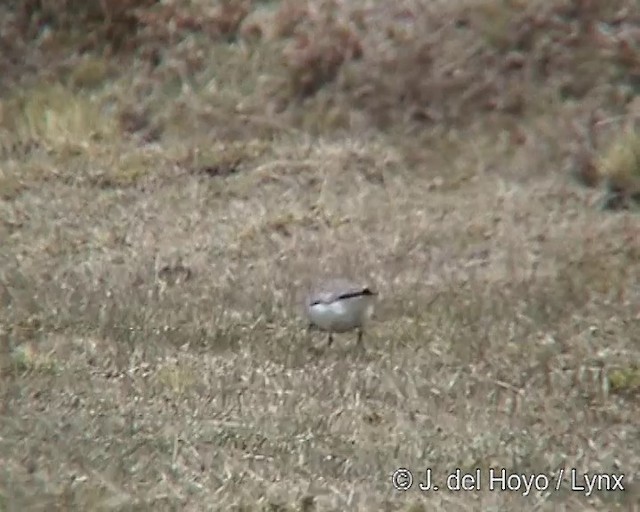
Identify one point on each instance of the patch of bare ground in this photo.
(174, 178)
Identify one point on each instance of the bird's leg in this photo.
(330, 339)
(360, 334)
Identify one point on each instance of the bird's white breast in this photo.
(340, 315)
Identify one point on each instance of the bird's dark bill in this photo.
(361, 293)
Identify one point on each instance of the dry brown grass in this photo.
(160, 223)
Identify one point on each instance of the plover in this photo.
(340, 305)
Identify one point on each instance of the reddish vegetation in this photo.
(396, 63)
(315, 56)
(431, 63)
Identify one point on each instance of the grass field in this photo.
(172, 183)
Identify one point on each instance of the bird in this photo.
(340, 305)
